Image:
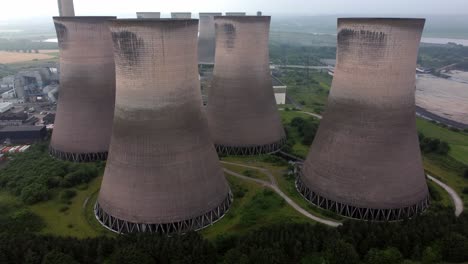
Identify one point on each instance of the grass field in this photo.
(246, 172)
(458, 141)
(72, 222)
(15, 57)
(254, 206)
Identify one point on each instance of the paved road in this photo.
(274, 186)
(453, 194)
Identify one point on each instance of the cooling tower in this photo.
(163, 173)
(365, 161)
(85, 108)
(66, 8)
(181, 15)
(242, 111)
(235, 14)
(148, 15)
(207, 38)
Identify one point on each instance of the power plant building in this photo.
(163, 174)
(148, 14)
(207, 38)
(87, 89)
(181, 15)
(365, 161)
(66, 8)
(241, 110)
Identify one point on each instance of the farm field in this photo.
(15, 57)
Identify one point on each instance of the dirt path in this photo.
(457, 201)
(272, 184)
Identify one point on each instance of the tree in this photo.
(55, 257)
(131, 255)
(341, 252)
(454, 248)
(430, 256)
(387, 256)
(34, 193)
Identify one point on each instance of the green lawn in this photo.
(458, 141)
(309, 89)
(74, 221)
(254, 207)
(246, 172)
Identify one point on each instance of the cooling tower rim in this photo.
(210, 14)
(379, 19)
(244, 18)
(83, 18)
(142, 21)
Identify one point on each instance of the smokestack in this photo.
(87, 89)
(207, 38)
(181, 15)
(242, 111)
(235, 13)
(259, 13)
(365, 161)
(148, 15)
(66, 8)
(163, 174)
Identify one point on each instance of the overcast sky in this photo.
(26, 8)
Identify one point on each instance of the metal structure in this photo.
(66, 8)
(235, 13)
(85, 108)
(241, 109)
(181, 15)
(207, 38)
(162, 174)
(365, 161)
(148, 14)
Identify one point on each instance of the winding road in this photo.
(457, 201)
(272, 184)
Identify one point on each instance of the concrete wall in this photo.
(162, 166)
(87, 86)
(366, 151)
(207, 38)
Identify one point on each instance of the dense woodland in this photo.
(430, 238)
(33, 175)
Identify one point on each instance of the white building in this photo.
(280, 91)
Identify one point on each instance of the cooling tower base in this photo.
(250, 150)
(78, 157)
(369, 214)
(124, 227)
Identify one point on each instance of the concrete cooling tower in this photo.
(242, 111)
(207, 38)
(87, 89)
(235, 14)
(365, 161)
(163, 174)
(181, 15)
(148, 15)
(66, 8)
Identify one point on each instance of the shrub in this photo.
(67, 195)
(34, 193)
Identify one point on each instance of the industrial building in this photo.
(66, 8)
(85, 108)
(241, 108)
(22, 134)
(280, 89)
(163, 174)
(207, 38)
(365, 161)
(181, 15)
(148, 14)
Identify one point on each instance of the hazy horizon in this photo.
(28, 9)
